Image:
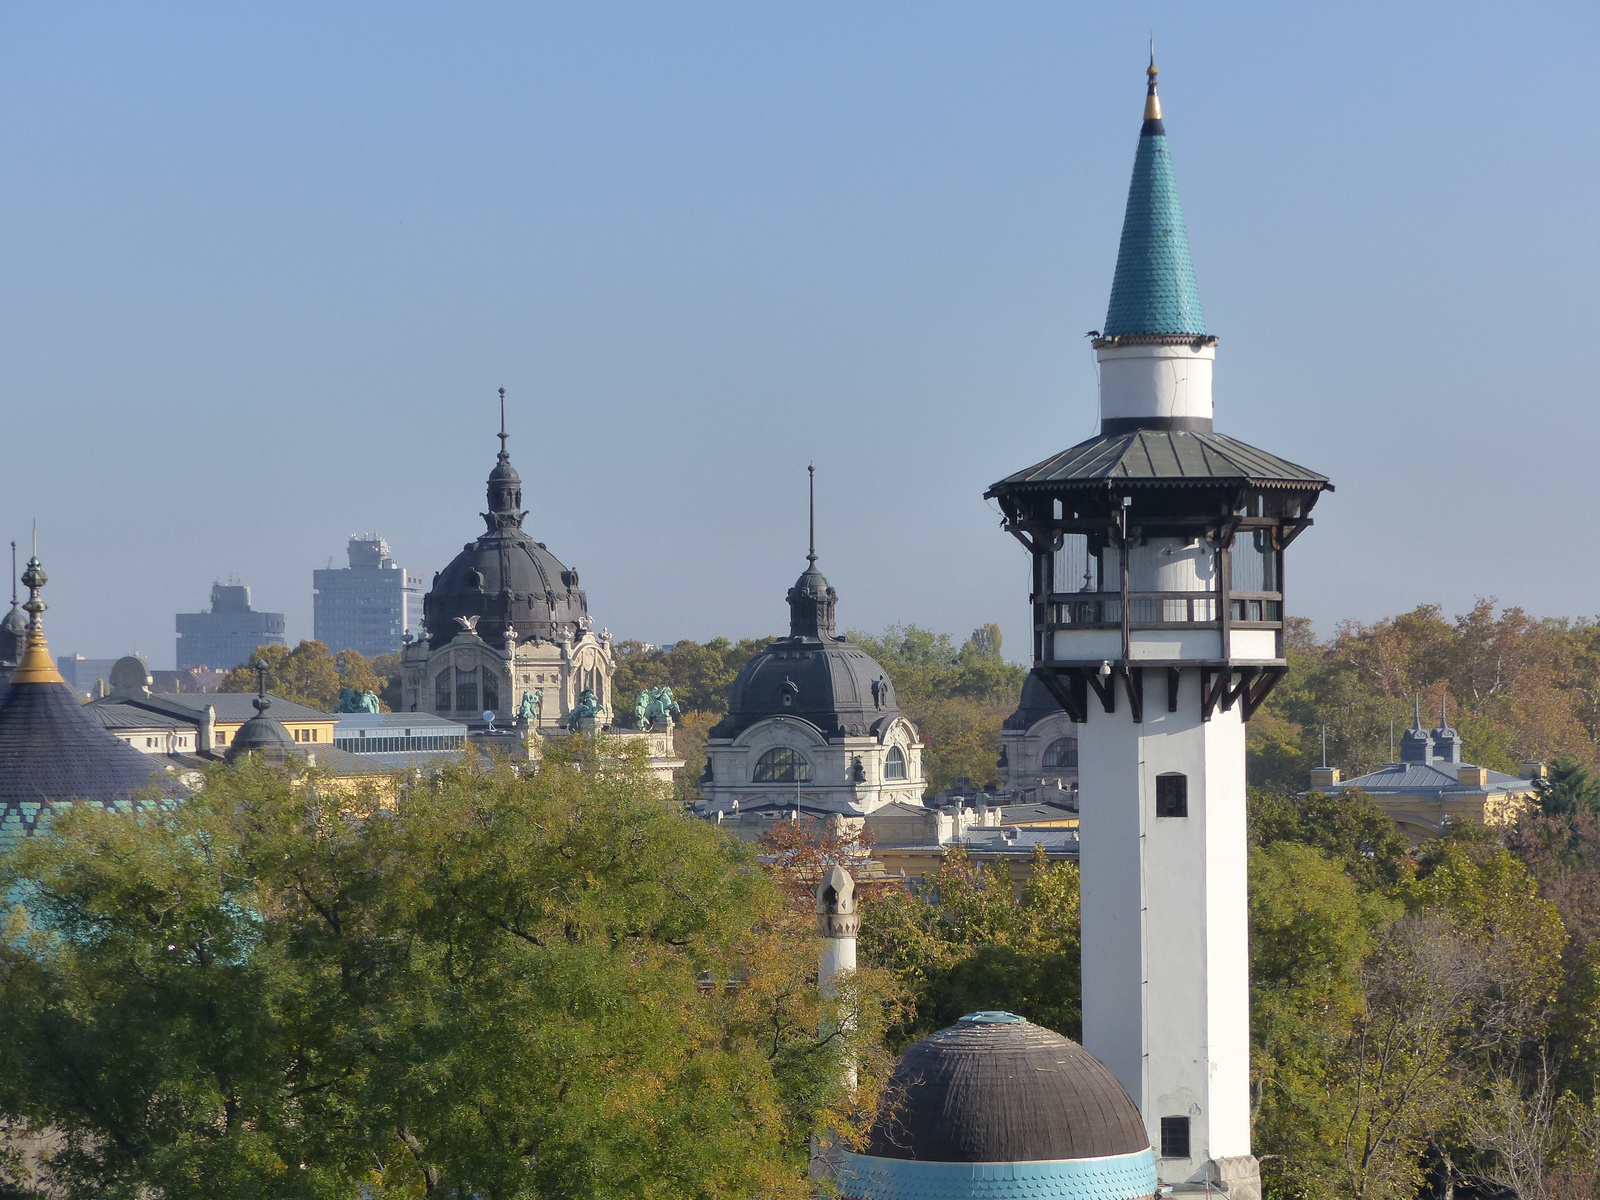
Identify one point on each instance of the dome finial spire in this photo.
(1152, 101)
(36, 665)
(503, 434)
(811, 472)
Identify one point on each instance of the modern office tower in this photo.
(229, 634)
(368, 606)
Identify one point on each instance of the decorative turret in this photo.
(14, 628)
(1416, 743)
(838, 922)
(812, 599)
(505, 485)
(1446, 739)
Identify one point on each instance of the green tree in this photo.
(971, 939)
(512, 984)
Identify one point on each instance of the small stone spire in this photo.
(838, 920)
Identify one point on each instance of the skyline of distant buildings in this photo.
(368, 606)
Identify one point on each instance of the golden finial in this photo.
(1152, 102)
(36, 665)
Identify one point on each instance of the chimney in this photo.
(1323, 778)
(1472, 776)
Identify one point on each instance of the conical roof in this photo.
(264, 736)
(51, 751)
(1153, 291)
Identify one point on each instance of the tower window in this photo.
(894, 767)
(1175, 1137)
(782, 765)
(1061, 754)
(1172, 800)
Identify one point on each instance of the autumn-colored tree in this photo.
(307, 674)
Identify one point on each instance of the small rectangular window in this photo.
(1174, 1137)
(1172, 797)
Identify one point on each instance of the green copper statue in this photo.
(588, 706)
(655, 704)
(352, 701)
(532, 703)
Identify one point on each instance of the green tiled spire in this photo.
(1154, 289)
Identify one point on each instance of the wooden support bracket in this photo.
(1105, 688)
(1255, 696)
(1133, 684)
(1062, 687)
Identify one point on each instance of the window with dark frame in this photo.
(1172, 796)
(1175, 1135)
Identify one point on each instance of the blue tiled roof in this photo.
(1153, 291)
(1119, 1177)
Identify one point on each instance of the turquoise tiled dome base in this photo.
(1119, 1177)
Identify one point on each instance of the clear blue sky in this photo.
(262, 268)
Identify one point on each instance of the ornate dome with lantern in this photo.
(812, 723)
(508, 628)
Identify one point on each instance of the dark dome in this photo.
(263, 736)
(812, 674)
(13, 633)
(831, 682)
(996, 1088)
(505, 578)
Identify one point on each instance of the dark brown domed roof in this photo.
(505, 579)
(996, 1088)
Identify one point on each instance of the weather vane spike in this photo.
(13, 572)
(1152, 102)
(811, 471)
(502, 420)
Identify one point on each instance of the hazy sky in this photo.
(263, 267)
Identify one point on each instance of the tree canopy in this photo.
(309, 674)
(510, 985)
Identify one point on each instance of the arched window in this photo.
(491, 690)
(466, 690)
(1061, 754)
(441, 691)
(782, 765)
(894, 767)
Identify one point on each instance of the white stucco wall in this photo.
(1155, 381)
(1165, 937)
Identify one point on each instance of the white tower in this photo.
(1158, 625)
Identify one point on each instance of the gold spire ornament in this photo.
(36, 666)
(1152, 102)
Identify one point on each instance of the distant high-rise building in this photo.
(369, 605)
(228, 635)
